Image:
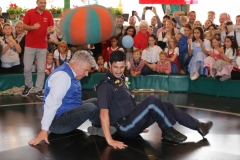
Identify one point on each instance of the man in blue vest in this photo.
(119, 109)
(63, 109)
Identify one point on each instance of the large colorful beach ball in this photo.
(87, 25)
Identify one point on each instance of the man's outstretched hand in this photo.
(43, 135)
(117, 144)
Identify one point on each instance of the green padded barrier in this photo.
(178, 83)
(210, 86)
(91, 79)
(150, 82)
(172, 83)
(10, 80)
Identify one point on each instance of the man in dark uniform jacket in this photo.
(118, 108)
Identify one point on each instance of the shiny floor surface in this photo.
(20, 122)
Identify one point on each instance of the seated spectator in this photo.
(50, 66)
(114, 47)
(164, 36)
(150, 55)
(130, 30)
(10, 52)
(178, 36)
(235, 74)
(20, 35)
(62, 54)
(101, 64)
(172, 54)
(214, 54)
(136, 64)
(207, 24)
(183, 48)
(163, 66)
(183, 22)
(155, 21)
(198, 48)
(223, 67)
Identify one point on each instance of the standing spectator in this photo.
(20, 35)
(211, 16)
(141, 38)
(11, 49)
(36, 22)
(119, 30)
(155, 21)
(191, 16)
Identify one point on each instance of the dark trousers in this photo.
(146, 71)
(183, 61)
(152, 110)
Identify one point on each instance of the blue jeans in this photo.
(183, 61)
(72, 119)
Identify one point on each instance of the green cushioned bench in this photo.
(172, 83)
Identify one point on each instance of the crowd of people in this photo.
(178, 44)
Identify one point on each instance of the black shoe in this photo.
(39, 94)
(173, 135)
(26, 91)
(203, 128)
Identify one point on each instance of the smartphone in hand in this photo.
(148, 8)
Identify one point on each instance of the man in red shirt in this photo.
(36, 22)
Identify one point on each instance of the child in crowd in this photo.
(101, 65)
(52, 40)
(214, 54)
(235, 74)
(183, 22)
(163, 66)
(10, 51)
(198, 48)
(178, 36)
(197, 24)
(172, 54)
(183, 48)
(150, 55)
(62, 54)
(237, 65)
(223, 67)
(136, 64)
(131, 31)
(207, 35)
(50, 66)
(114, 47)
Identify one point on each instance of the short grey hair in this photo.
(21, 22)
(143, 23)
(83, 57)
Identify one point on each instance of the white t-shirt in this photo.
(229, 54)
(11, 55)
(151, 54)
(56, 55)
(176, 51)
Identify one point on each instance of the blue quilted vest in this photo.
(73, 96)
